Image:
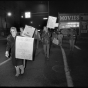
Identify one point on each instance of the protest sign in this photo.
(24, 48)
(28, 31)
(51, 22)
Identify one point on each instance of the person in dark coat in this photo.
(37, 37)
(17, 63)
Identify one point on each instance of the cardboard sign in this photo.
(24, 48)
(51, 22)
(69, 17)
(28, 31)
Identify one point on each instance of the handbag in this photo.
(55, 41)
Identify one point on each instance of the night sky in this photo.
(55, 7)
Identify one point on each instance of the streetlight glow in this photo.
(21, 16)
(31, 22)
(27, 14)
(45, 18)
(9, 13)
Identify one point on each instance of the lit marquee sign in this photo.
(69, 17)
(68, 25)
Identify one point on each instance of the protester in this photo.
(21, 30)
(54, 38)
(37, 37)
(60, 37)
(46, 41)
(71, 39)
(50, 36)
(17, 63)
(75, 35)
(54, 35)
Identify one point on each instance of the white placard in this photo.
(24, 48)
(51, 22)
(28, 31)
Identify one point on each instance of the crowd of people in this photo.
(46, 37)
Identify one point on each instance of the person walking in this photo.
(71, 39)
(21, 30)
(17, 63)
(37, 37)
(46, 42)
(60, 37)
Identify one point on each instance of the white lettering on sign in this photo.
(69, 18)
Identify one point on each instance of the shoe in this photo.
(17, 71)
(22, 69)
(17, 75)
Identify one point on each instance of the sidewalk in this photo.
(38, 73)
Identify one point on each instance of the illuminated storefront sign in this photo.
(68, 25)
(69, 17)
(67, 21)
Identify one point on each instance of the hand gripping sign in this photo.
(24, 48)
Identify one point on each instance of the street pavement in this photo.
(78, 62)
(50, 73)
(40, 72)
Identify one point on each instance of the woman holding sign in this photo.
(46, 41)
(17, 63)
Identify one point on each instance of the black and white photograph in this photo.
(44, 43)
